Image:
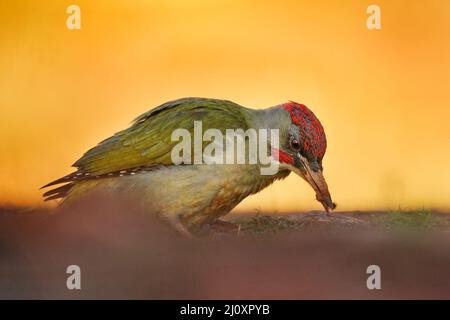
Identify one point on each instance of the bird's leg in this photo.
(180, 227)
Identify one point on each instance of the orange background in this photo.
(382, 96)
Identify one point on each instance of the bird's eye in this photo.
(295, 145)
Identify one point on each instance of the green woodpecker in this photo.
(139, 162)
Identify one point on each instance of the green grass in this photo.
(397, 220)
(266, 225)
(414, 220)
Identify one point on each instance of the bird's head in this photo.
(302, 149)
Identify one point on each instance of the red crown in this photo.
(312, 135)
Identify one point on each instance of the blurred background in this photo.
(382, 95)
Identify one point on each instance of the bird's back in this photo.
(146, 145)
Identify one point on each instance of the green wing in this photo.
(148, 141)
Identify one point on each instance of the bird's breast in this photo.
(198, 193)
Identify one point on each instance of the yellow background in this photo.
(382, 96)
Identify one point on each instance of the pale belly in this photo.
(195, 194)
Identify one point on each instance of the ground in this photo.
(406, 220)
(124, 253)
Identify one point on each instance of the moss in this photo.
(267, 225)
(414, 220)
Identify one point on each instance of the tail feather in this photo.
(59, 192)
(77, 175)
(70, 180)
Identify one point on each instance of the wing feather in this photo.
(147, 142)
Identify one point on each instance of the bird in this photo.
(138, 162)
